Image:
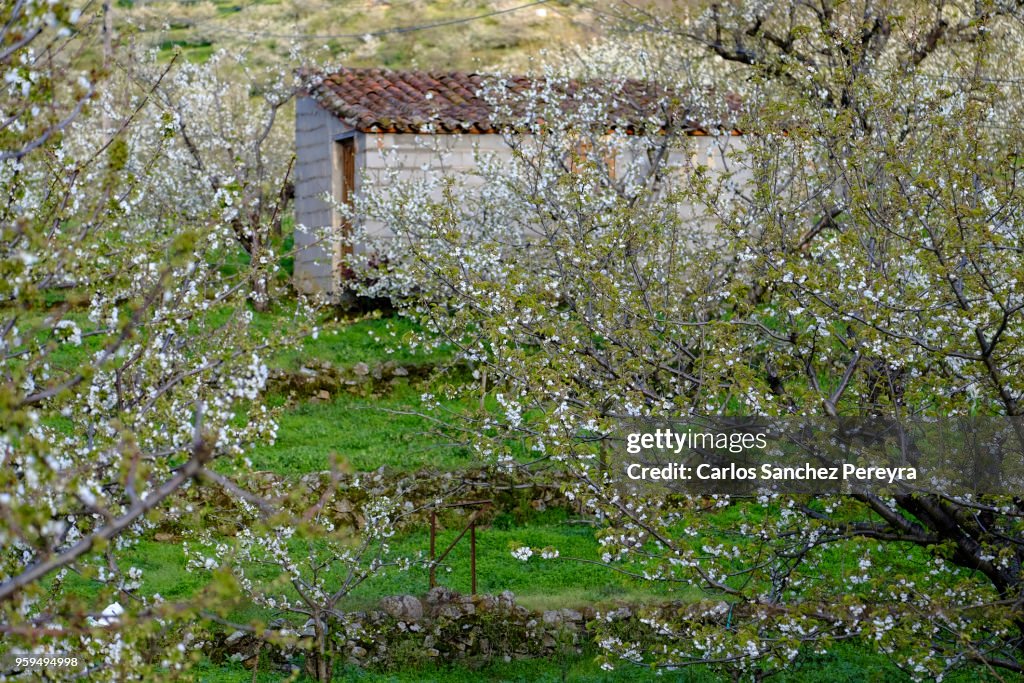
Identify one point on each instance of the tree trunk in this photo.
(259, 290)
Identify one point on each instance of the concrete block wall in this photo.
(316, 132)
(418, 156)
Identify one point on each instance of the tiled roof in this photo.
(380, 100)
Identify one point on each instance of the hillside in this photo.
(442, 34)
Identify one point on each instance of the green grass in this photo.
(364, 432)
(184, 44)
(343, 343)
(163, 566)
(340, 342)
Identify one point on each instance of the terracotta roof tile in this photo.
(380, 100)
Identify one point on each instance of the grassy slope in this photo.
(367, 431)
(258, 26)
(344, 343)
(361, 431)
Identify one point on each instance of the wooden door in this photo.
(344, 173)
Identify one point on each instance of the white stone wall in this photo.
(413, 156)
(409, 155)
(315, 133)
(454, 154)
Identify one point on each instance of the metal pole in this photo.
(433, 534)
(472, 554)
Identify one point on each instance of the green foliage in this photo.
(125, 354)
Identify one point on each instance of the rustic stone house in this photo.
(346, 121)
